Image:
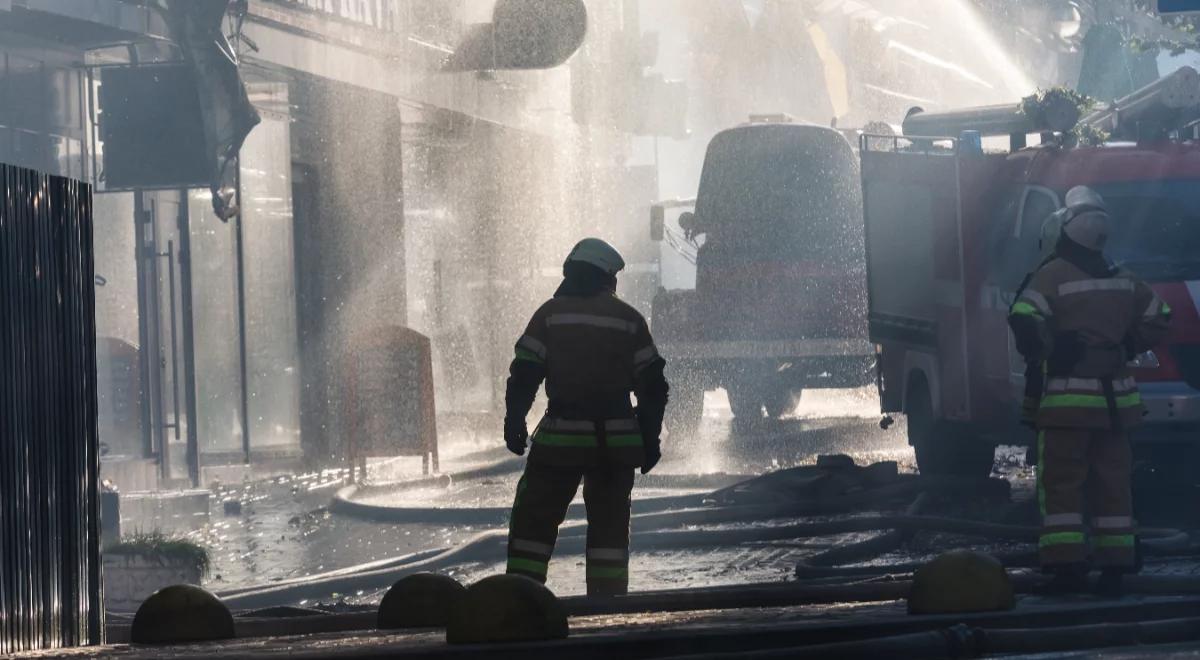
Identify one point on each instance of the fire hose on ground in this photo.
(651, 532)
(962, 641)
(1041, 626)
(821, 580)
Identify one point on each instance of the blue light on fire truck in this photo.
(970, 142)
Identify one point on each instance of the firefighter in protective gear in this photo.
(592, 350)
(1084, 320)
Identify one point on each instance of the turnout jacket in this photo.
(592, 351)
(1084, 324)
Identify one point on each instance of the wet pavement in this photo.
(286, 529)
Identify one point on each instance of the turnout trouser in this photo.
(1085, 471)
(543, 495)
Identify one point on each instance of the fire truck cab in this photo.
(951, 231)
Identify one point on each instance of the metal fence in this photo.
(49, 506)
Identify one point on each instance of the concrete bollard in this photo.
(506, 608)
(421, 600)
(181, 613)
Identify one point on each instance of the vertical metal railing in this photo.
(49, 504)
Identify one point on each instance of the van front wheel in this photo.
(782, 400)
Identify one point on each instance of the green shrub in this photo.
(158, 545)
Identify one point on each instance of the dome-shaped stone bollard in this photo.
(506, 608)
(181, 613)
(421, 600)
(961, 581)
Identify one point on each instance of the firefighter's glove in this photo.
(515, 435)
(1029, 411)
(653, 456)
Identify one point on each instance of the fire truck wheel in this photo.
(941, 447)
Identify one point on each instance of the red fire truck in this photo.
(779, 303)
(951, 230)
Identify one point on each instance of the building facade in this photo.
(377, 190)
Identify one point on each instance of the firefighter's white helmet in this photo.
(599, 254)
(1082, 198)
(1085, 219)
(1051, 230)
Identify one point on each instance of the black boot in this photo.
(1070, 579)
(1110, 584)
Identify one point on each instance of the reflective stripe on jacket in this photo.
(1100, 321)
(571, 442)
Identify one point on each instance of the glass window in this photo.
(1156, 228)
(118, 381)
(61, 155)
(30, 149)
(271, 341)
(219, 423)
(1039, 206)
(1016, 246)
(25, 103)
(62, 91)
(787, 191)
(6, 154)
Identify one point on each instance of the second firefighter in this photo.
(1081, 321)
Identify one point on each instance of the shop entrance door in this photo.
(165, 330)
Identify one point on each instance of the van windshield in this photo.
(1156, 228)
(785, 192)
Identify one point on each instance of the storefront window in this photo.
(273, 378)
(214, 299)
(117, 367)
